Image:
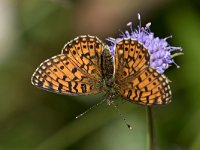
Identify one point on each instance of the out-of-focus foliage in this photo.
(32, 119)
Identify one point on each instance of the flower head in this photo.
(158, 48)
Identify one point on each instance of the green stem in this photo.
(150, 132)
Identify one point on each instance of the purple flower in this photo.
(158, 48)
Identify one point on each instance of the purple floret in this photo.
(158, 48)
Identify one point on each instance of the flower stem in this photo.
(150, 131)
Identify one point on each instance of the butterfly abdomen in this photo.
(107, 67)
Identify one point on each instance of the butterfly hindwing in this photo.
(148, 87)
(60, 74)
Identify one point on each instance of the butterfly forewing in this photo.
(86, 52)
(130, 58)
(75, 72)
(137, 81)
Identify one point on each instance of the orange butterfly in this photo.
(86, 66)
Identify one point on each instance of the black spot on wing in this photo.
(60, 88)
(83, 87)
(74, 70)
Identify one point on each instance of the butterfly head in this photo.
(111, 91)
(110, 95)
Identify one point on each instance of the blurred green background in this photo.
(32, 119)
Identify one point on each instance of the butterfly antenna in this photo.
(94, 106)
(128, 125)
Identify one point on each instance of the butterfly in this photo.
(86, 66)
